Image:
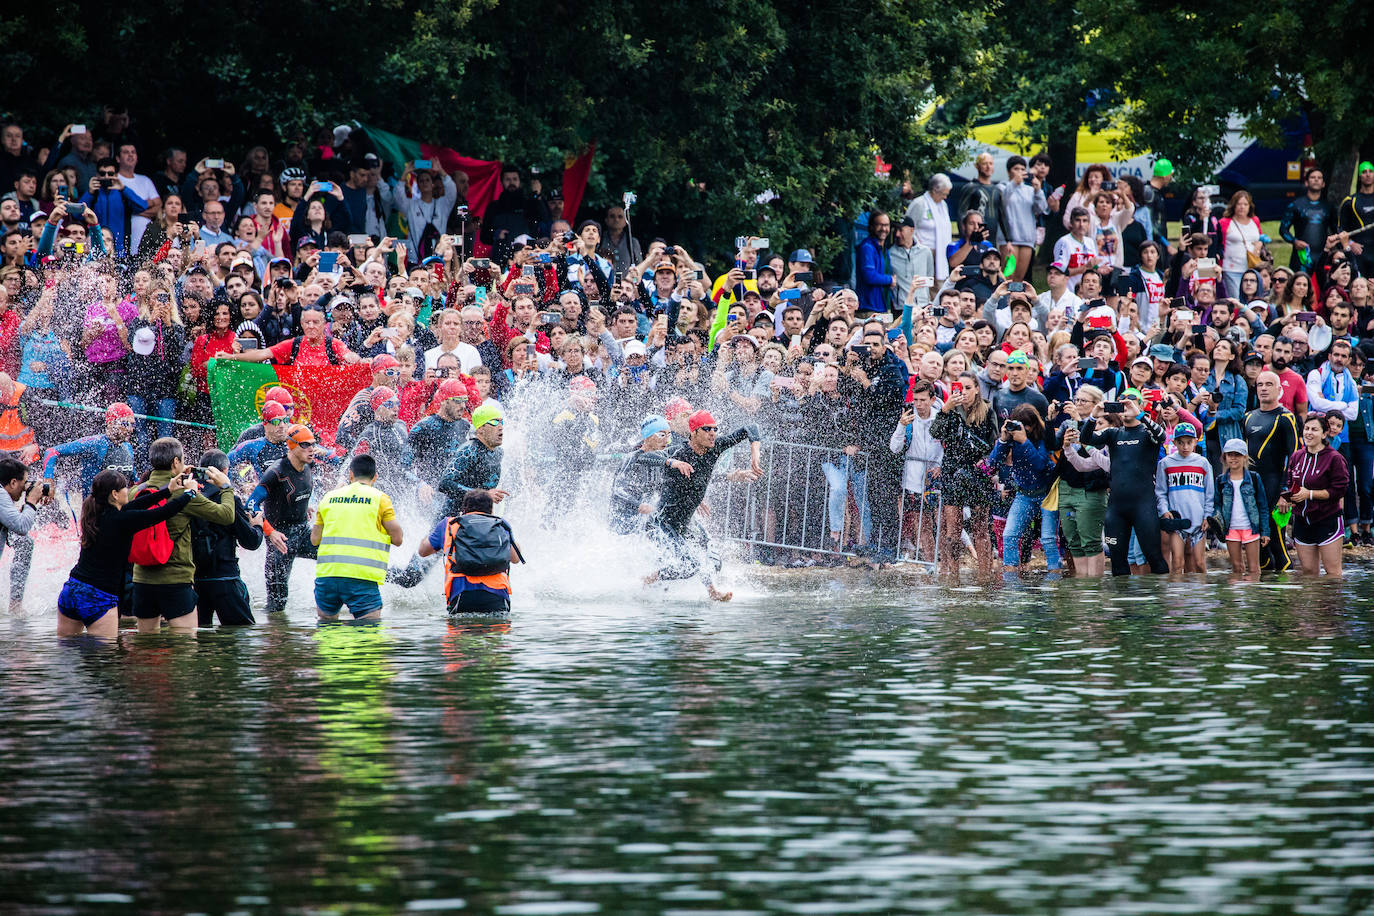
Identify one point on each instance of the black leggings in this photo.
(1127, 511)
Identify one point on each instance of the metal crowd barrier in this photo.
(788, 508)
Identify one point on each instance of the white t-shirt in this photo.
(1070, 301)
(468, 357)
(143, 186)
(1148, 302)
(1072, 253)
(1234, 245)
(1240, 519)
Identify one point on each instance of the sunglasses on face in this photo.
(391, 405)
(279, 421)
(391, 373)
(494, 423)
(707, 429)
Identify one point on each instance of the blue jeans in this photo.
(839, 478)
(163, 407)
(1019, 518)
(1231, 278)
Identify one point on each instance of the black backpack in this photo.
(481, 545)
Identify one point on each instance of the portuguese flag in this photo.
(321, 393)
(484, 176)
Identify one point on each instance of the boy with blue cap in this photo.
(1184, 491)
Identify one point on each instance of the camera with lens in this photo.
(569, 237)
(1013, 426)
(198, 475)
(978, 236)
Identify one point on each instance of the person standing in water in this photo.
(680, 538)
(355, 528)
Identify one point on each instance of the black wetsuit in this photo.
(1134, 451)
(283, 494)
(682, 540)
(1310, 221)
(636, 482)
(1272, 437)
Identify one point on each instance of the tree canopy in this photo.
(702, 109)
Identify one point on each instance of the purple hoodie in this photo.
(1325, 470)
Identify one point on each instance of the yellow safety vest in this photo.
(353, 543)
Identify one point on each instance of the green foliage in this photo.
(697, 107)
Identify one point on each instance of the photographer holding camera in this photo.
(166, 590)
(973, 236)
(16, 519)
(214, 548)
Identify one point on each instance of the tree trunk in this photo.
(1340, 173)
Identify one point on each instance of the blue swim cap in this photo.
(652, 425)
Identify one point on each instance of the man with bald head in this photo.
(1271, 434)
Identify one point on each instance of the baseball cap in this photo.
(908, 222)
(1056, 265)
(275, 261)
(800, 256)
(485, 414)
(652, 425)
(414, 291)
(144, 341)
(1162, 351)
(676, 408)
(665, 265)
(1236, 447)
(1185, 429)
(118, 411)
(448, 388)
(271, 410)
(745, 338)
(1143, 360)
(1163, 168)
(699, 419)
(306, 240)
(1017, 358)
(768, 267)
(380, 395)
(384, 361)
(1252, 356)
(635, 348)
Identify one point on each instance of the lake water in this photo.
(816, 746)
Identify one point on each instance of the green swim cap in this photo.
(1366, 166)
(1163, 168)
(485, 413)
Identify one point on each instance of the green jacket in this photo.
(180, 569)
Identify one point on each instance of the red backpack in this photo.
(153, 545)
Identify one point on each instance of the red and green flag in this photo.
(321, 393)
(484, 176)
